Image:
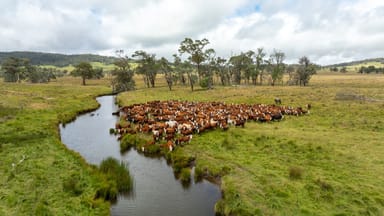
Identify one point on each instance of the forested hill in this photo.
(38, 58)
(352, 63)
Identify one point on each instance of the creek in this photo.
(156, 191)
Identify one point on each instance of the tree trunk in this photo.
(83, 80)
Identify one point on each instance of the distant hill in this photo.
(359, 62)
(59, 60)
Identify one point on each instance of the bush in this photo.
(179, 162)
(118, 174)
(185, 175)
(204, 82)
(295, 172)
(107, 191)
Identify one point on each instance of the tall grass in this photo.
(39, 175)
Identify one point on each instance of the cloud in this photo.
(326, 31)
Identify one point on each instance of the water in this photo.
(156, 191)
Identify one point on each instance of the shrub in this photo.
(107, 191)
(199, 173)
(295, 172)
(117, 173)
(179, 162)
(185, 175)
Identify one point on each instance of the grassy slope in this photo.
(338, 147)
(106, 67)
(29, 117)
(356, 67)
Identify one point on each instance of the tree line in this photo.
(55, 59)
(18, 69)
(201, 66)
(193, 64)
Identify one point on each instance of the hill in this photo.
(359, 62)
(59, 60)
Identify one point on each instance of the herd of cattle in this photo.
(177, 121)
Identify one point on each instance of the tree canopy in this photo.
(84, 70)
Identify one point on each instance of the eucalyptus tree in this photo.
(166, 68)
(242, 66)
(249, 67)
(210, 66)
(123, 74)
(277, 66)
(179, 70)
(83, 70)
(147, 67)
(221, 70)
(195, 49)
(259, 66)
(236, 65)
(305, 70)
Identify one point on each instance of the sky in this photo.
(326, 31)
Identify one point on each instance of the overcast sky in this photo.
(327, 31)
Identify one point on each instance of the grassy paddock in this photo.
(326, 163)
(39, 175)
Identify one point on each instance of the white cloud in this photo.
(327, 31)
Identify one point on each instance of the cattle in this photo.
(177, 121)
(277, 101)
(170, 145)
(184, 139)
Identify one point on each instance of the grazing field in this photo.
(38, 174)
(326, 163)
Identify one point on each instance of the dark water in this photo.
(156, 191)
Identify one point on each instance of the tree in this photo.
(147, 67)
(122, 74)
(334, 69)
(242, 64)
(277, 66)
(196, 51)
(167, 70)
(177, 66)
(40, 75)
(84, 70)
(15, 69)
(208, 75)
(305, 70)
(220, 69)
(259, 66)
(343, 69)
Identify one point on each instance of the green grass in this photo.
(69, 68)
(326, 163)
(39, 175)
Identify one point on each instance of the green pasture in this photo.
(329, 162)
(38, 174)
(356, 67)
(106, 67)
